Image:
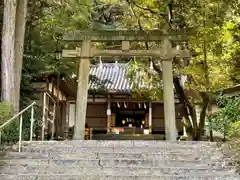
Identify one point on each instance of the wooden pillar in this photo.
(43, 116)
(168, 93)
(82, 91)
(67, 120)
(150, 117)
(64, 118)
(109, 117)
(184, 128)
(58, 111)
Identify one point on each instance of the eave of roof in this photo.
(106, 78)
(67, 84)
(110, 77)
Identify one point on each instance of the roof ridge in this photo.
(109, 65)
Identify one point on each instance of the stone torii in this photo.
(166, 53)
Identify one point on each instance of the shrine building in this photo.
(111, 108)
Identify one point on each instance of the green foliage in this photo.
(234, 130)
(27, 121)
(209, 71)
(147, 85)
(234, 50)
(234, 142)
(5, 112)
(206, 73)
(228, 117)
(46, 23)
(9, 132)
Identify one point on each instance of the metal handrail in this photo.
(20, 124)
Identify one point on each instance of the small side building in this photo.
(53, 92)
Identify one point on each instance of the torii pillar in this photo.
(82, 90)
(168, 92)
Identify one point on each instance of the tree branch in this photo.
(188, 108)
(156, 68)
(148, 9)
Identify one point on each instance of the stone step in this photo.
(122, 160)
(116, 171)
(67, 146)
(125, 143)
(115, 155)
(101, 177)
(72, 149)
(82, 162)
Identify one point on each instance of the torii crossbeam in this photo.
(166, 53)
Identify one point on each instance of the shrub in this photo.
(27, 121)
(228, 113)
(234, 130)
(9, 132)
(5, 112)
(227, 121)
(234, 142)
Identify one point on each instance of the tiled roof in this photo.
(110, 77)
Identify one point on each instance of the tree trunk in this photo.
(8, 52)
(19, 48)
(188, 108)
(210, 120)
(200, 129)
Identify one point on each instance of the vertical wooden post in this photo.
(64, 118)
(43, 116)
(150, 117)
(58, 124)
(67, 120)
(82, 91)
(168, 93)
(54, 119)
(184, 127)
(109, 117)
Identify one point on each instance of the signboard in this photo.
(146, 131)
(109, 112)
(117, 130)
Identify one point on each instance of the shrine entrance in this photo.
(165, 54)
(131, 118)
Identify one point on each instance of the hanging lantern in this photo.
(116, 64)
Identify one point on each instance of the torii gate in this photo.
(86, 52)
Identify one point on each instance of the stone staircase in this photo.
(117, 160)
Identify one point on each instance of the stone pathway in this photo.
(117, 160)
